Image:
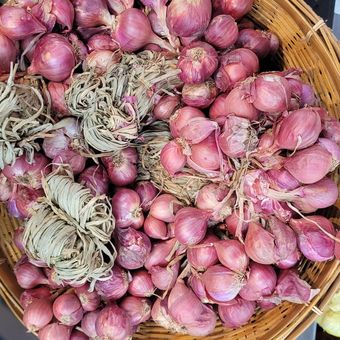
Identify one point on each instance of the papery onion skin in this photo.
(113, 322)
(116, 286)
(222, 31)
(199, 95)
(290, 261)
(197, 62)
(119, 6)
(141, 284)
(299, 130)
(261, 282)
(281, 179)
(202, 257)
(191, 225)
(293, 289)
(237, 138)
(53, 58)
(18, 24)
(221, 283)
(314, 244)
(134, 248)
(177, 22)
(5, 188)
(67, 309)
(231, 254)
(236, 9)
(236, 313)
(55, 331)
(38, 314)
(8, 53)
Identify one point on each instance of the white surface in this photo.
(337, 7)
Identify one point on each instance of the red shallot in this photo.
(191, 225)
(96, 179)
(236, 9)
(114, 322)
(293, 289)
(178, 23)
(17, 23)
(38, 314)
(122, 168)
(126, 209)
(30, 295)
(172, 158)
(67, 309)
(222, 31)
(53, 58)
(101, 60)
(221, 283)
(312, 236)
(165, 207)
(197, 62)
(115, 286)
(101, 41)
(134, 248)
(236, 312)
(8, 53)
(57, 93)
(55, 331)
(147, 193)
(199, 95)
(88, 324)
(90, 301)
(164, 278)
(204, 254)
(141, 284)
(138, 309)
(166, 107)
(231, 254)
(155, 228)
(261, 282)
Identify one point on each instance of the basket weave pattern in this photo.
(306, 43)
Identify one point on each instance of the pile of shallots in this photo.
(260, 139)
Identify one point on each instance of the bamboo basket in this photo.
(306, 42)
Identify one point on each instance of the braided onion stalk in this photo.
(70, 231)
(114, 106)
(24, 117)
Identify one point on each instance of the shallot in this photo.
(138, 309)
(147, 193)
(141, 284)
(67, 309)
(90, 301)
(165, 207)
(38, 314)
(55, 331)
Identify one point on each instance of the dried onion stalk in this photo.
(114, 105)
(24, 117)
(70, 231)
(184, 186)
